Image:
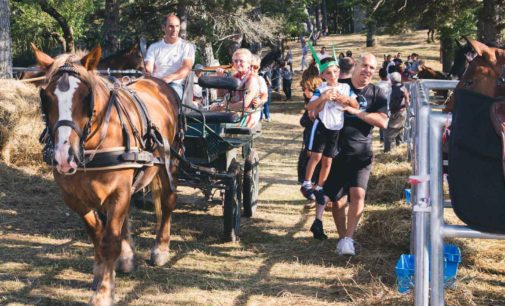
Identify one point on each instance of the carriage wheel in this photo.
(232, 200)
(251, 184)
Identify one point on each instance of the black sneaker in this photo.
(319, 197)
(317, 230)
(308, 193)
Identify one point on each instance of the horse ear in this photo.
(476, 49)
(43, 60)
(91, 60)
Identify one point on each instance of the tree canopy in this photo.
(58, 25)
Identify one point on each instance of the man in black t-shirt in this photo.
(351, 168)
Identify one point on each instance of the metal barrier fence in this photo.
(428, 226)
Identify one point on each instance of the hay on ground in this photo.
(20, 123)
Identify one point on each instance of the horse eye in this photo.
(469, 82)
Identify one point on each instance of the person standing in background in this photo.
(304, 55)
(287, 78)
(385, 85)
(398, 104)
(288, 58)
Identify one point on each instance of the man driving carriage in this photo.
(171, 58)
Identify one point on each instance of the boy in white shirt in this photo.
(327, 102)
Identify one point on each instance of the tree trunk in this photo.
(371, 29)
(5, 41)
(487, 26)
(446, 52)
(207, 52)
(318, 16)
(358, 19)
(110, 27)
(68, 33)
(335, 16)
(182, 12)
(324, 14)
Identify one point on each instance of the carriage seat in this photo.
(219, 82)
(213, 117)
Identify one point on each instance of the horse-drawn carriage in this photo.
(219, 153)
(107, 141)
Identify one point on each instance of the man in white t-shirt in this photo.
(171, 58)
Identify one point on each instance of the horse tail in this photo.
(156, 188)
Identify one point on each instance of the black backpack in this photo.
(396, 99)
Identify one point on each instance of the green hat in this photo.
(323, 67)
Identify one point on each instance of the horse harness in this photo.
(119, 157)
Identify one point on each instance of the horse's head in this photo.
(130, 58)
(460, 62)
(67, 102)
(484, 72)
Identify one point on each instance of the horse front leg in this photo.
(95, 229)
(110, 248)
(160, 251)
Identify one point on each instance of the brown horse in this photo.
(484, 72)
(88, 117)
(426, 72)
(477, 140)
(130, 58)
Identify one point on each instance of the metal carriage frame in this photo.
(219, 155)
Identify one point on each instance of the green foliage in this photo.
(31, 24)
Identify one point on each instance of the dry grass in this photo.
(46, 258)
(20, 121)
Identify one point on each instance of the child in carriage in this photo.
(327, 102)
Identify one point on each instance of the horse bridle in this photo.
(48, 134)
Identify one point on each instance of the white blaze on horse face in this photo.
(63, 144)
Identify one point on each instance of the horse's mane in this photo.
(61, 59)
(75, 60)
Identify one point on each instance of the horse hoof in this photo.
(158, 257)
(126, 264)
(101, 300)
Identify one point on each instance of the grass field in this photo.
(46, 257)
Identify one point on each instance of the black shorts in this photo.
(347, 171)
(323, 140)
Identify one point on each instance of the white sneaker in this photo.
(345, 247)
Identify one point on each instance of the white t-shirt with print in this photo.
(168, 58)
(332, 114)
